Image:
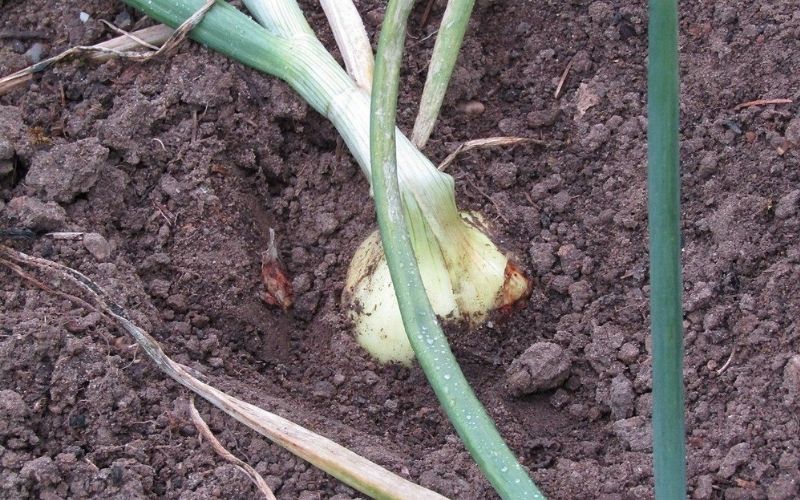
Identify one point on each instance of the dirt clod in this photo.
(34, 214)
(67, 170)
(543, 366)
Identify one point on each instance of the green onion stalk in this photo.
(443, 61)
(663, 90)
(433, 352)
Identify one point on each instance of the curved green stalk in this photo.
(663, 87)
(443, 60)
(426, 336)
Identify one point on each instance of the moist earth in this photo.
(178, 167)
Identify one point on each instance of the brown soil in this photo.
(182, 165)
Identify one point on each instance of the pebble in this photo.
(543, 366)
(35, 52)
(98, 246)
(473, 108)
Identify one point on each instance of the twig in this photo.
(205, 432)
(132, 36)
(489, 142)
(351, 468)
(761, 102)
(65, 235)
(728, 362)
(563, 78)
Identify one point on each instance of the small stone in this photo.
(33, 214)
(634, 432)
(338, 379)
(787, 205)
(98, 246)
(621, 397)
(35, 52)
(543, 366)
(737, 455)
(473, 108)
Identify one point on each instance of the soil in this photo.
(180, 166)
